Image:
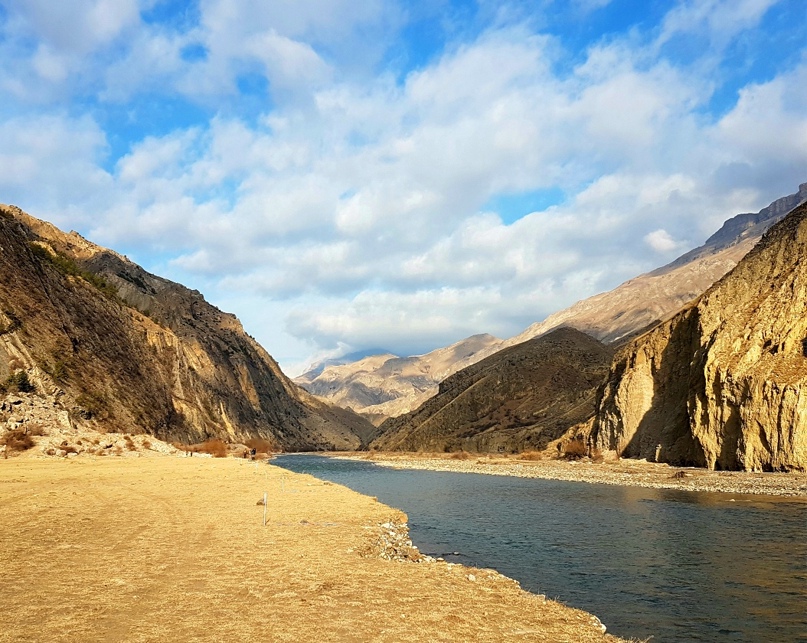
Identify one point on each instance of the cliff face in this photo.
(657, 295)
(722, 384)
(520, 398)
(133, 352)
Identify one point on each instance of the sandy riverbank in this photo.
(174, 549)
(626, 472)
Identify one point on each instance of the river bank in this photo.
(626, 472)
(175, 548)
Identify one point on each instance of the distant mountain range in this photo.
(383, 386)
(120, 349)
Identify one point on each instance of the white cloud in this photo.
(364, 206)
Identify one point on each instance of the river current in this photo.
(674, 565)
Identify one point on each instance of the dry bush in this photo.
(214, 446)
(597, 456)
(460, 455)
(35, 429)
(532, 455)
(147, 444)
(16, 441)
(575, 449)
(130, 445)
(261, 446)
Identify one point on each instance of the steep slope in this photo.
(723, 383)
(519, 398)
(382, 386)
(386, 386)
(657, 295)
(133, 352)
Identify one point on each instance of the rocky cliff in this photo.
(517, 399)
(384, 386)
(132, 352)
(723, 383)
(656, 296)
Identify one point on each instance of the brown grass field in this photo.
(174, 549)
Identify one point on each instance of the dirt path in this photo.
(627, 472)
(173, 549)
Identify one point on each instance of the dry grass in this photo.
(16, 441)
(460, 455)
(173, 549)
(214, 446)
(532, 455)
(574, 450)
(261, 446)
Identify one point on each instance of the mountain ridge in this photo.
(134, 352)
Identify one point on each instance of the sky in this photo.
(347, 176)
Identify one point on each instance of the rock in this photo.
(723, 384)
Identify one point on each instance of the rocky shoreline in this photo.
(639, 473)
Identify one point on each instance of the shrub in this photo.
(460, 455)
(531, 455)
(260, 445)
(16, 440)
(575, 449)
(214, 446)
(18, 383)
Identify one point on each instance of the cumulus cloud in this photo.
(362, 202)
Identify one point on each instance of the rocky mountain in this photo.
(723, 383)
(516, 399)
(386, 385)
(657, 295)
(125, 350)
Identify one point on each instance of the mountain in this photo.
(723, 383)
(124, 350)
(657, 295)
(516, 399)
(386, 385)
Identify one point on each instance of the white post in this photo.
(264, 509)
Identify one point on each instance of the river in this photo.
(674, 565)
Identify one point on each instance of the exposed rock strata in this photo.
(723, 383)
(132, 352)
(520, 398)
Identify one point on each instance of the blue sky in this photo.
(348, 175)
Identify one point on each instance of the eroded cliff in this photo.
(723, 383)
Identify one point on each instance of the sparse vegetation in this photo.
(91, 405)
(214, 446)
(57, 370)
(460, 455)
(15, 441)
(13, 324)
(574, 449)
(68, 267)
(531, 455)
(261, 446)
(17, 383)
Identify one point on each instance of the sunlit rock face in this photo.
(722, 383)
(129, 351)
